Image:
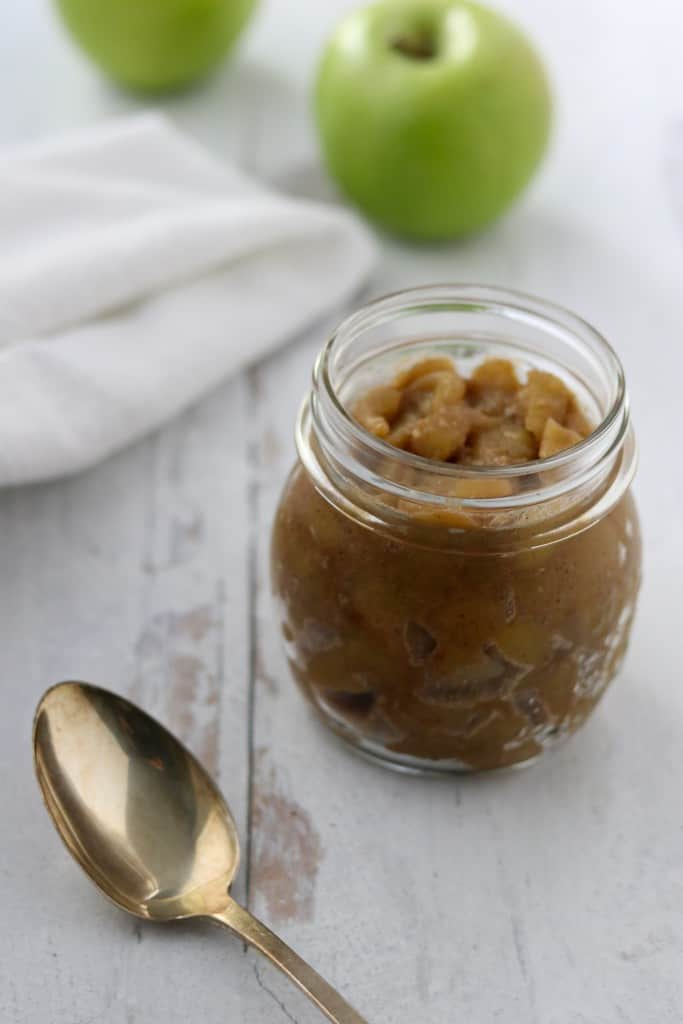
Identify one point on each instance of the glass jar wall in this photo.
(449, 617)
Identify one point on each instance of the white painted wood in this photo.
(553, 896)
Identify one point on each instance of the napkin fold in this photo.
(136, 271)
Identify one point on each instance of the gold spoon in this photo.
(147, 824)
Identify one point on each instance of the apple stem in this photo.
(416, 45)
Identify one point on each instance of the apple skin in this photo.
(155, 45)
(437, 142)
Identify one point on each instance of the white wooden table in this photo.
(552, 896)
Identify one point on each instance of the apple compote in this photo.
(489, 419)
(457, 554)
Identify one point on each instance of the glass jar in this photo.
(446, 617)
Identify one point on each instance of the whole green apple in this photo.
(155, 44)
(433, 114)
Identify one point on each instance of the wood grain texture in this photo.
(552, 896)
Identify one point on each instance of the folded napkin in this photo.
(135, 272)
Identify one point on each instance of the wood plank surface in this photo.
(550, 896)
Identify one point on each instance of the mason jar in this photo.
(447, 617)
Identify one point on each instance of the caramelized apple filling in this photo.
(466, 650)
(488, 419)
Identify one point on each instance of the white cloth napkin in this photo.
(135, 272)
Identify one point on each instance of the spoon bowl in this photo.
(138, 812)
(147, 823)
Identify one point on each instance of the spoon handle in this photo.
(244, 924)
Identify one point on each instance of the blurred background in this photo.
(607, 200)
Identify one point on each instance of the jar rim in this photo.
(494, 298)
(355, 452)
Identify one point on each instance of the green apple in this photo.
(433, 114)
(155, 44)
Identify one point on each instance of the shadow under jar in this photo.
(451, 617)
